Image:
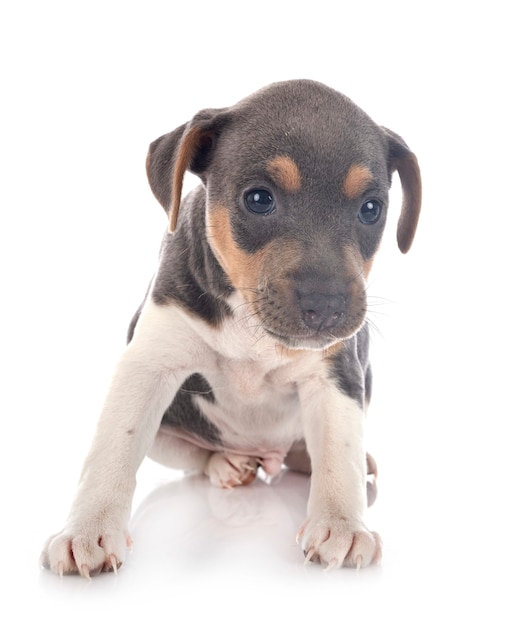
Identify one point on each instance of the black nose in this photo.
(321, 311)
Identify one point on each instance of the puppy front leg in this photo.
(334, 532)
(95, 535)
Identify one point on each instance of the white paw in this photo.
(232, 470)
(339, 542)
(87, 549)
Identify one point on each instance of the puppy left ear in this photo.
(401, 158)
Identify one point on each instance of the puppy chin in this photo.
(318, 341)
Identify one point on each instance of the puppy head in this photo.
(297, 181)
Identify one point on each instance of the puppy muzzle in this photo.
(302, 318)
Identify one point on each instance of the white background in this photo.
(85, 86)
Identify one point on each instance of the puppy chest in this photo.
(238, 407)
(248, 382)
(248, 402)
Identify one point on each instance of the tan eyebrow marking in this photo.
(285, 172)
(356, 181)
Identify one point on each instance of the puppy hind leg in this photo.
(224, 470)
(298, 460)
(229, 470)
(177, 453)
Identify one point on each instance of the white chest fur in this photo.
(255, 381)
(255, 385)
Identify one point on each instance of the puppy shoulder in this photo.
(348, 365)
(167, 335)
(188, 273)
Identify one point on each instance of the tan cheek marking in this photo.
(356, 181)
(242, 269)
(248, 272)
(357, 268)
(367, 266)
(285, 172)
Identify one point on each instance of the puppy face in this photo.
(297, 181)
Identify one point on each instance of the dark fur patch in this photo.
(184, 414)
(350, 367)
(189, 273)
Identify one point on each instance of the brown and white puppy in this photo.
(251, 349)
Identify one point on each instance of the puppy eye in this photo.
(370, 212)
(259, 201)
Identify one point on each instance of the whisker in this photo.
(373, 327)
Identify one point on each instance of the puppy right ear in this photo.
(188, 147)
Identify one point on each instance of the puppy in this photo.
(251, 349)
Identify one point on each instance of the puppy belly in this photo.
(270, 459)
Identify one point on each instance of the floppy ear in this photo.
(401, 158)
(188, 147)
